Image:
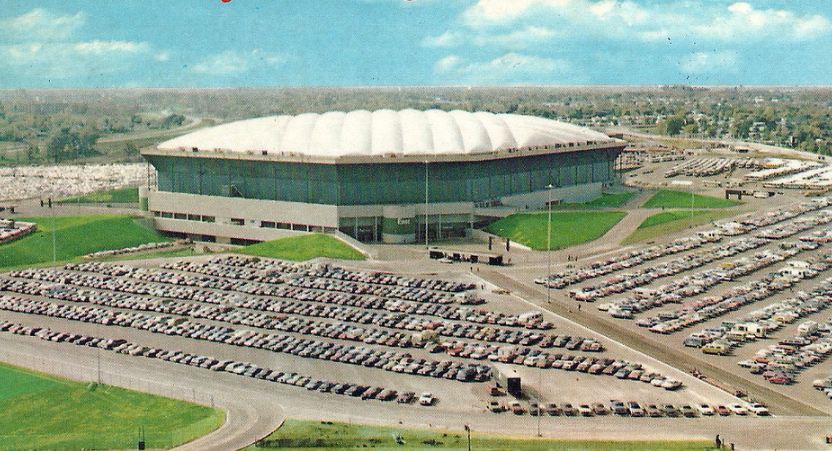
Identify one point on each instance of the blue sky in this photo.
(207, 43)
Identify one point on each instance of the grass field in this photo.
(607, 200)
(115, 196)
(38, 411)
(316, 435)
(75, 236)
(669, 222)
(304, 247)
(568, 227)
(666, 198)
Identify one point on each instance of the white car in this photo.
(737, 409)
(758, 409)
(671, 384)
(584, 410)
(426, 399)
(705, 410)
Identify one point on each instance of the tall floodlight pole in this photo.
(539, 400)
(549, 247)
(691, 199)
(54, 245)
(426, 204)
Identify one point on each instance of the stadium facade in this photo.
(376, 176)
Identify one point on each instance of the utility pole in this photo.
(98, 358)
(549, 247)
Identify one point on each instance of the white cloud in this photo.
(162, 56)
(64, 60)
(521, 38)
(744, 22)
(39, 45)
(41, 25)
(447, 64)
(501, 11)
(516, 39)
(446, 39)
(231, 62)
(98, 47)
(623, 19)
(709, 62)
(510, 67)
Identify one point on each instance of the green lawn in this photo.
(317, 435)
(115, 196)
(568, 227)
(669, 222)
(75, 236)
(607, 200)
(38, 411)
(304, 247)
(666, 198)
(187, 251)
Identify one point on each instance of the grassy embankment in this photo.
(669, 222)
(568, 227)
(75, 236)
(38, 411)
(113, 196)
(317, 435)
(303, 247)
(679, 199)
(606, 200)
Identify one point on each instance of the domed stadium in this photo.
(376, 176)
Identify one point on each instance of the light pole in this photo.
(549, 247)
(99, 365)
(426, 204)
(691, 200)
(468, 430)
(54, 244)
(539, 400)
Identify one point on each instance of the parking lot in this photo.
(31, 182)
(346, 332)
(690, 292)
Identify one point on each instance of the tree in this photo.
(63, 145)
(86, 141)
(32, 153)
(174, 120)
(673, 125)
(691, 129)
(131, 150)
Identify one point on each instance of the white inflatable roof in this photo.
(385, 132)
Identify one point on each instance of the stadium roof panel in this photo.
(385, 132)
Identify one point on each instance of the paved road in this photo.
(765, 148)
(255, 408)
(250, 414)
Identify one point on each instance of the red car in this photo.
(780, 380)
